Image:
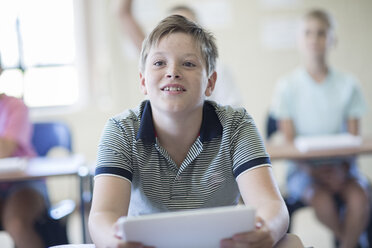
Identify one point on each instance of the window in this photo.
(37, 48)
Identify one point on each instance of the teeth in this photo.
(173, 89)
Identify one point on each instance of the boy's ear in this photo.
(143, 84)
(211, 83)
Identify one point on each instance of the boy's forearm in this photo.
(353, 126)
(276, 218)
(7, 147)
(101, 229)
(287, 128)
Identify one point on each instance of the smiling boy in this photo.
(178, 151)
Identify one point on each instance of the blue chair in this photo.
(52, 225)
(48, 135)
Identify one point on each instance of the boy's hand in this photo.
(260, 238)
(119, 243)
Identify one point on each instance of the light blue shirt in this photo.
(318, 108)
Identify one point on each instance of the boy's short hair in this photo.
(176, 23)
(323, 16)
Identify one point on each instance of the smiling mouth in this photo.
(173, 89)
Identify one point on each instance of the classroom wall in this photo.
(255, 40)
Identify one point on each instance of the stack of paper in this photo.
(324, 142)
(13, 164)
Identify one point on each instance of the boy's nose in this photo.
(173, 73)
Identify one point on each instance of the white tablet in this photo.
(192, 228)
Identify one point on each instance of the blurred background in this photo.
(71, 61)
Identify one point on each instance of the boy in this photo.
(317, 100)
(178, 151)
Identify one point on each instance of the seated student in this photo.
(21, 203)
(178, 151)
(226, 91)
(316, 99)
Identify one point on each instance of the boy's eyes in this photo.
(320, 33)
(189, 64)
(159, 63)
(162, 63)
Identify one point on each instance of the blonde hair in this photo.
(323, 16)
(177, 23)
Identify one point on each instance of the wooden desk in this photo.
(289, 151)
(288, 241)
(40, 167)
(75, 246)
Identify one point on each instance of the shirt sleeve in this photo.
(357, 105)
(247, 147)
(280, 107)
(114, 152)
(17, 126)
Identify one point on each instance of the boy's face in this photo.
(175, 76)
(315, 38)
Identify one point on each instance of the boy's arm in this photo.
(16, 130)
(130, 24)
(286, 126)
(7, 147)
(353, 126)
(258, 189)
(111, 196)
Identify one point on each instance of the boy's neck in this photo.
(176, 133)
(317, 69)
(177, 125)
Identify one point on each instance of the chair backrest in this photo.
(48, 135)
(271, 125)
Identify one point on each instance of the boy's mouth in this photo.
(173, 88)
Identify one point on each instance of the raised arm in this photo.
(258, 189)
(130, 24)
(111, 197)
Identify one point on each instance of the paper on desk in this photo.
(324, 142)
(58, 165)
(13, 164)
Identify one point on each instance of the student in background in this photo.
(316, 99)
(226, 91)
(177, 151)
(21, 203)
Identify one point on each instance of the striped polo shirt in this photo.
(228, 145)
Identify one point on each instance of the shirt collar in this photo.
(211, 126)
